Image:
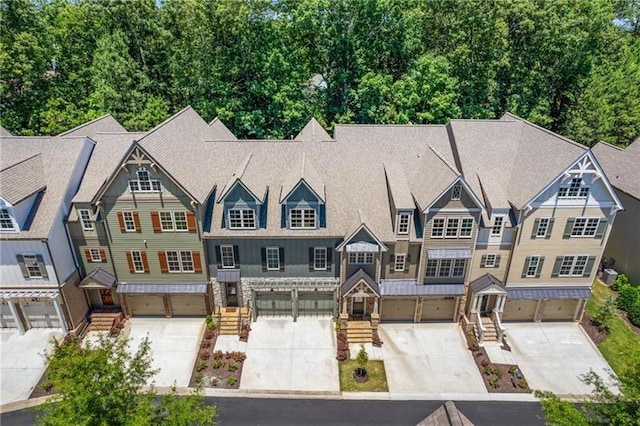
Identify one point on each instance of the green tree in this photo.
(102, 384)
(605, 313)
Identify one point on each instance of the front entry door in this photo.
(358, 307)
(107, 297)
(232, 294)
(487, 303)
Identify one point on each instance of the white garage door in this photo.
(400, 309)
(519, 310)
(188, 305)
(440, 309)
(146, 304)
(41, 314)
(6, 317)
(559, 310)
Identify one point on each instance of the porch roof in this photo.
(411, 288)
(98, 278)
(487, 284)
(354, 279)
(452, 253)
(549, 293)
(363, 246)
(228, 275)
(163, 288)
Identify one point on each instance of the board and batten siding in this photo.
(84, 240)
(624, 241)
(296, 256)
(411, 266)
(10, 272)
(556, 246)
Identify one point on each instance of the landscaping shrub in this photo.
(628, 297)
(205, 345)
(473, 346)
(209, 334)
(211, 324)
(605, 313)
(201, 366)
(232, 368)
(634, 314)
(237, 356)
(218, 355)
(620, 282)
(231, 381)
(205, 355)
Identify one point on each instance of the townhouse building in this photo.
(623, 169)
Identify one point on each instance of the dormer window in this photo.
(404, 220)
(144, 183)
(85, 218)
(6, 221)
(455, 193)
(575, 189)
(302, 218)
(242, 219)
(496, 229)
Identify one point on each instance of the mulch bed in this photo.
(498, 378)
(216, 369)
(594, 332)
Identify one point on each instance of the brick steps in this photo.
(230, 320)
(359, 332)
(104, 321)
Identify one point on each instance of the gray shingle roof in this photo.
(313, 132)
(398, 186)
(19, 181)
(59, 159)
(622, 166)
(219, 131)
(5, 132)
(303, 170)
(104, 124)
(484, 282)
(354, 279)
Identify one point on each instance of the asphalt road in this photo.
(282, 412)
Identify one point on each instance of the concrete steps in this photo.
(491, 335)
(359, 332)
(230, 320)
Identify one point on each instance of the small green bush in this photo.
(522, 384)
(201, 366)
(218, 363)
(634, 314)
(605, 313)
(494, 383)
(231, 381)
(628, 297)
(620, 282)
(232, 368)
(211, 324)
(498, 372)
(363, 357)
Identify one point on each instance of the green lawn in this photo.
(377, 377)
(622, 347)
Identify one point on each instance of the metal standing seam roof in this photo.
(411, 288)
(98, 277)
(228, 275)
(363, 246)
(164, 288)
(486, 281)
(452, 253)
(535, 293)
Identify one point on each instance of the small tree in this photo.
(362, 358)
(103, 385)
(605, 313)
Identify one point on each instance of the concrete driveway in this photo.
(174, 346)
(23, 361)
(428, 358)
(283, 355)
(553, 355)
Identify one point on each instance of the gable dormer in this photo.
(401, 203)
(244, 199)
(21, 188)
(302, 198)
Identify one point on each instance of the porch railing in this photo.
(495, 316)
(481, 330)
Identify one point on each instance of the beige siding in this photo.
(411, 270)
(500, 272)
(624, 241)
(465, 201)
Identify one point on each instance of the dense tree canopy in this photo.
(266, 66)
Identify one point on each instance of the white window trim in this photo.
(222, 257)
(493, 226)
(546, 227)
(182, 262)
(572, 272)
(460, 227)
(243, 218)
(14, 224)
(444, 225)
(400, 224)
(454, 196)
(135, 266)
(126, 223)
(174, 222)
(277, 251)
(302, 218)
(567, 187)
(95, 255)
(533, 259)
(135, 185)
(451, 268)
(316, 251)
(26, 257)
(584, 229)
(181, 270)
(361, 258)
(399, 262)
(87, 223)
(490, 260)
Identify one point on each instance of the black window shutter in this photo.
(497, 260)
(263, 255)
(483, 260)
(218, 256)
(549, 228)
(540, 263)
(329, 258)
(407, 261)
(311, 259)
(569, 227)
(589, 266)
(556, 266)
(281, 250)
(42, 266)
(526, 266)
(534, 232)
(602, 226)
(236, 257)
(23, 267)
(283, 216)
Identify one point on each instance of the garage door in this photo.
(315, 304)
(6, 317)
(559, 310)
(188, 305)
(398, 309)
(40, 314)
(146, 304)
(441, 309)
(519, 310)
(274, 304)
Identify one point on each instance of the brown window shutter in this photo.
(130, 262)
(145, 262)
(164, 266)
(121, 222)
(87, 255)
(136, 221)
(103, 255)
(155, 222)
(191, 221)
(197, 265)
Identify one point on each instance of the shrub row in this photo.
(628, 299)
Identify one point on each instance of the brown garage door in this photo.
(519, 310)
(146, 304)
(559, 310)
(188, 305)
(439, 309)
(398, 309)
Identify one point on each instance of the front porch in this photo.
(488, 297)
(359, 307)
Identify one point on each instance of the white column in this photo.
(476, 303)
(63, 324)
(504, 301)
(375, 305)
(344, 305)
(16, 318)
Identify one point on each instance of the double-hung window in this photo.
(452, 227)
(173, 221)
(533, 266)
(466, 227)
(32, 265)
(573, 266)
(179, 261)
(129, 222)
(437, 228)
(227, 258)
(273, 258)
(94, 253)
(320, 258)
(490, 260)
(302, 218)
(360, 258)
(399, 262)
(543, 227)
(458, 268)
(432, 268)
(242, 219)
(138, 263)
(585, 227)
(446, 268)
(85, 218)
(6, 222)
(403, 223)
(496, 229)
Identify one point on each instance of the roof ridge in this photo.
(167, 121)
(454, 170)
(39, 154)
(95, 120)
(610, 145)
